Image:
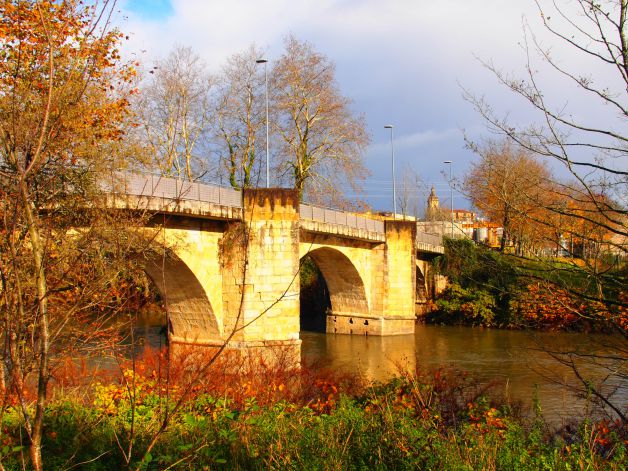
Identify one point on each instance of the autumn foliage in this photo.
(60, 72)
(63, 103)
(506, 185)
(303, 418)
(553, 308)
(493, 289)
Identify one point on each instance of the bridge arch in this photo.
(347, 294)
(190, 313)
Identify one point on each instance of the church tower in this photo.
(432, 206)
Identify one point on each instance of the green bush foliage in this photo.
(438, 421)
(483, 283)
(458, 305)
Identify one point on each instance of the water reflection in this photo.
(517, 359)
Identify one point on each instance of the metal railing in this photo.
(172, 188)
(343, 218)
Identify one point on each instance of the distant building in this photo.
(466, 223)
(464, 216)
(437, 219)
(486, 232)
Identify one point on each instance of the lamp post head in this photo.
(447, 161)
(388, 126)
(261, 61)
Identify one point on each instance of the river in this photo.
(518, 360)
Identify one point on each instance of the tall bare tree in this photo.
(321, 139)
(174, 110)
(240, 117)
(411, 188)
(590, 143)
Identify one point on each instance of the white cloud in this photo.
(395, 27)
(399, 60)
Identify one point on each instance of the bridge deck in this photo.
(429, 243)
(176, 196)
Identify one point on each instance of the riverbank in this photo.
(312, 419)
(493, 289)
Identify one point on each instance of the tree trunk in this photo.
(42, 307)
(505, 234)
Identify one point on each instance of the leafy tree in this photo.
(483, 283)
(63, 101)
(321, 140)
(507, 185)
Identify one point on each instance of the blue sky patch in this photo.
(150, 9)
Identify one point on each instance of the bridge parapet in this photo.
(429, 243)
(179, 196)
(172, 188)
(174, 195)
(341, 223)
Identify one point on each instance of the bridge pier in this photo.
(388, 307)
(400, 281)
(264, 307)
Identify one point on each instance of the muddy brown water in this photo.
(517, 360)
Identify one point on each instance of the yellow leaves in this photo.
(107, 397)
(53, 43)
(487, 420)
(135, 388)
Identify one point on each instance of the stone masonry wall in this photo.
(271, 298)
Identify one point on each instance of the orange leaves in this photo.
(603, 431)
(54, 61)
(486, 420)
(555, 308)
(509, 186)
(329, 396)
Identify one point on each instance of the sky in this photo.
(401, 62)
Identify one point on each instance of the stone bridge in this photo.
(230, 265)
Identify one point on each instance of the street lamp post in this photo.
(265, 62)
(392, 153)
(451, 189)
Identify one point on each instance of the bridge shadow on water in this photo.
(149, 331)
(315, 301)
(144, 327)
